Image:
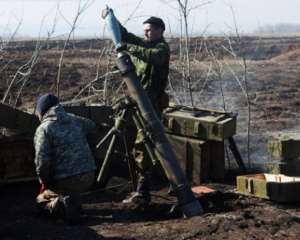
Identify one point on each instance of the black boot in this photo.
(142, 193)
(72, 209)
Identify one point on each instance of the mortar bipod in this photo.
(126, 109)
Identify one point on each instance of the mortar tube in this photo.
(165, 153)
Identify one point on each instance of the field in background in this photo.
(217, 73)
(217, 79)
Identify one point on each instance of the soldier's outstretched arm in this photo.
(156, 56)
(130, 38)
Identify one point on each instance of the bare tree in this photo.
(243, 82)
(23, 73)
(218, 72)
(80, 10)
(36, 54)
(185, 7)
(5, 42)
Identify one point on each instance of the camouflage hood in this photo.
(56, 113)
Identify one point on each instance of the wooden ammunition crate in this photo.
(217, 160)
(200, 160)
(193, 156)
(199, 123)
(12, 118)
(288, 168)
(275, 187)
(26, 123)
(285, 146)
(16, 160)
(101, 115)
(16, 148)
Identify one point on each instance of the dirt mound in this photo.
(293, 55)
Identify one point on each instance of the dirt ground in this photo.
(274, 83)
(228, 215)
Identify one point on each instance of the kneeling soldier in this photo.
(64, 162)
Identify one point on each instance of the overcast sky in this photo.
(250, 15)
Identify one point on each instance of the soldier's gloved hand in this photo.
(105, 12)
(133, 50)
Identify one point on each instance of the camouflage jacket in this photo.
(151, 60)
(61, 147)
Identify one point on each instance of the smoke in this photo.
(227, 92)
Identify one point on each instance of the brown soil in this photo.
(292, 55)
(227, 215)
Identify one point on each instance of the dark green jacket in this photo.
(151, 60)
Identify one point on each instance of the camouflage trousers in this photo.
(141, 156)
(50, 201)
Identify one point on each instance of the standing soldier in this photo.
(63, 158)
(150, 56)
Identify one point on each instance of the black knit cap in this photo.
(45, 102)
(157, 22)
